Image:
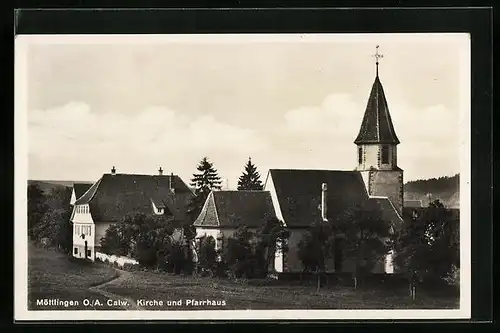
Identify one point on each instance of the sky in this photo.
(291, 101)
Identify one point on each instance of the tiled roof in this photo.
(236, 208)
(413, 203)
(387, 211)
(114, 196)
(81, 188)
(452, 214)
(377, 126)
(299, 195)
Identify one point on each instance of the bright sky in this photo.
(288, 102)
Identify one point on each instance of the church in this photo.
(300, 198)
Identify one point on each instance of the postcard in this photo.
(242, 176)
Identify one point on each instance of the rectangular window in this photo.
(89, 253)
(360, 155)
(76, 250)
(385, 154)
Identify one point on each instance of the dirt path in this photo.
(126, 303)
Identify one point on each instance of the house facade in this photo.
(114, 196)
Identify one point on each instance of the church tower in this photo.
(377, 148)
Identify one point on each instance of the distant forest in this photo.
(446, 189)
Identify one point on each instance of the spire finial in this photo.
(377, 56)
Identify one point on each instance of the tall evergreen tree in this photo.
(250, 179)
(206, 180)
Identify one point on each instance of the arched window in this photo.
(385, 154)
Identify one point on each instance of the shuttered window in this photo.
(385, 154)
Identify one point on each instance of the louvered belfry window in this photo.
(360, 155)
(385, 154)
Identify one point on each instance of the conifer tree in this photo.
(250, 179)
(206, 180)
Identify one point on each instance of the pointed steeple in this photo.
(377, 127)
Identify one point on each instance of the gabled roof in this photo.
(231, 209)
(299, 195)
(377, 126)
(114, 196)
(81, 188)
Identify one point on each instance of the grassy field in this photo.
(242, 295)
(53, 276)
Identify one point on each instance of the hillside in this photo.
(48, 185)
(446, 189)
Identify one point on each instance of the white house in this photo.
(115, 195)
(225, 211)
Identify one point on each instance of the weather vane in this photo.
(377, 56)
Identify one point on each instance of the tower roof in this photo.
(377, 123)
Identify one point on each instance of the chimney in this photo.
(113, 170)
(160, 171)
(170, 182)
(323, 201)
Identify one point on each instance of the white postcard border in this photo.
(21, 311)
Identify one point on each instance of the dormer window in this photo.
(157, 210)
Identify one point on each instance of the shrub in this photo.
(130, 267)
(453, 277)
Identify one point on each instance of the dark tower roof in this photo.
(377, 124)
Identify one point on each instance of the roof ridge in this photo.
(215, 207)
(96, 184)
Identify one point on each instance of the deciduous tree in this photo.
(272, 237)
(36, 207)
(316, 247)
(238, 253)
(427, 246)
(145, 238)
(365, 238)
